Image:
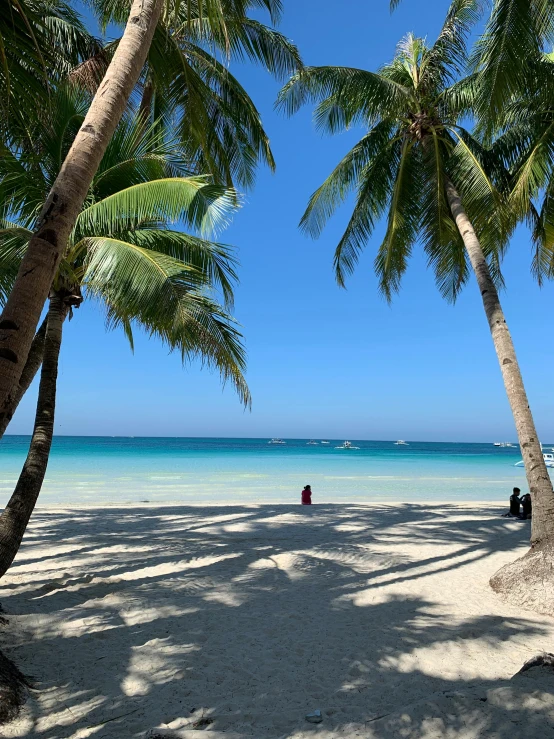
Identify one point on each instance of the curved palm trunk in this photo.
(22, 311)
(538, 478)
(32, 366)
(16, 515)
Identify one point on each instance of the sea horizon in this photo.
(125, 469)
(261, 438)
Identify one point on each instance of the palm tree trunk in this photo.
(523, 581)
(32, 366)
(540, 484)
(16, 515)
(22, 311)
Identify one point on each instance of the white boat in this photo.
(504, 444)
(325, 442)
(401, 442)
(311, 443)
(498, 443)
(276, 441)
(347, 445)
(548, 460)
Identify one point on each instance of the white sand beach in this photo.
(146, 621)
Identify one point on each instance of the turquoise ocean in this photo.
(104, 470)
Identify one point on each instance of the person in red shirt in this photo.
(307, 495)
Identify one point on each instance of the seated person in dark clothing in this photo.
(515, 503)
(526, 506)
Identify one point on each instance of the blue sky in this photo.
(323, 362)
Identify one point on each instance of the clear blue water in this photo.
(115, 470)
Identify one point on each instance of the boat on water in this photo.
(276, 441)
(401, 442)
(325, 442)
(311, 443)
(504, 444)
(347, 445)
(548, 460)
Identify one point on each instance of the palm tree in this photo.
(124, 252)
(43, 256)
(418, 167)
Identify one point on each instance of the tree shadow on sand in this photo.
(252, 616)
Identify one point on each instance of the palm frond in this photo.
(22, 186)
(447, 58)
(374, 188)
(213, 260)
(356, 95)
(403, 222)
(542, 229)
(40, 41)
(13, 244)
(169, 300)
(458, 100)
(473, 172)
(442, 242)
(343, 179)
(203, 206)
(249, 39)
(511, 44)
(138, 153)
(535, 171)
(216, 121)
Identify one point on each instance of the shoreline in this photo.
(249, 504)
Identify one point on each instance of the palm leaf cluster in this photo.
(188, 83)
(511, 82)
(41, 41)
(128, 249)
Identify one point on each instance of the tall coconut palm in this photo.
(124, 252)
(420, 169)
(63, 204)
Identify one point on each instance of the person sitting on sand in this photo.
(515, 503)
(307, 495)
(526, 506)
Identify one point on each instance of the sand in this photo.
(150, 621)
